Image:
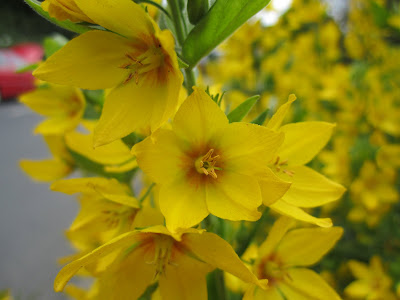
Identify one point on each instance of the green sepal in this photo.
(182, 64)
(260, 119)
(27, 68)
(131, 139)
(224, 17)
(68, 25)
(243, 109)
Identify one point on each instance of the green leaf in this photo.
(53, 43)
(243, 109)
(224, 17)
(260, 119)
(68, 25)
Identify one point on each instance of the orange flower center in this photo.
(271, 268)
(151, 59)
(206, 164)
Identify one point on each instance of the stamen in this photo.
(206, 164)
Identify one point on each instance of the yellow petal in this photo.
(215, 251)
(309, 188)
(359, 270)
(57, 147)
(310, 284)
(272, 187)
(146, 104)
(234, 197)
(255, 293)
(126, 166)
(46, 170)
(304, 140)
(122, 16)
(115, 153)
(248, 148)
(185, 279)
(289, 210)
(69, 270)
(280, 114)
(358, 289)
(182, 204)
(306, 246)
(275, 235)
(199, 118)
(128, 279)
(89, 61)
(159, 156)
(57, 126)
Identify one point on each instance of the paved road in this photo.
(32, 218)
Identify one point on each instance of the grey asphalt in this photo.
(32, 218)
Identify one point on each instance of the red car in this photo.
(13, 59)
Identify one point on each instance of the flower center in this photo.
(162, 253)
(206, 164)
(281, 165)
(149, 60)
(271, 268)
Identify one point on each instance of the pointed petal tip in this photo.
(325, 223)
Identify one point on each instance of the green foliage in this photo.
(53, 43)
(260, 119)
(224, 17)
(243, 109)
(196, 10)
(68, 25)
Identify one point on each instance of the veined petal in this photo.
(309, 188)
(247, 148)
(199, 118)
(185, 279)
(114, 153)
(234, 197)
(128, 279)
(306, 246)
(304, 140)
(310, 284)
(280, 114)
(289, 210)
(215, 251)
(122, 16)
(89, 61)
(69, 270)
(145, 104)
(46, 170)
(272, 187)
(159, 156)
(275, 235)
(182, 204)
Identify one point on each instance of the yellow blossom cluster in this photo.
(187, 193)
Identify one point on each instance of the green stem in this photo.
(190, 80)
(156, 5)
(147, 192)
(178, 20)
(220, 285)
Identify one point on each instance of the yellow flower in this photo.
(373, 193)
(179, 262)
(303, 141)
(372, 282)
(65, 10)
(62, 104)
(206, 165)
(282, 259)
(107, 210)
(61, 165)
(135, 59)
